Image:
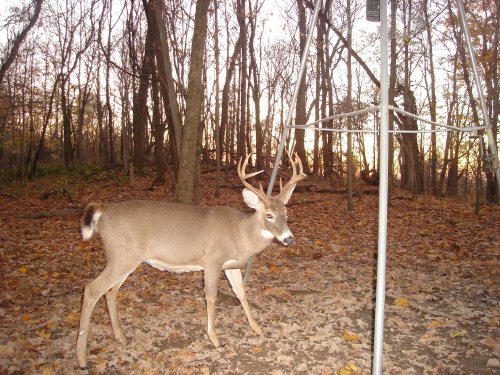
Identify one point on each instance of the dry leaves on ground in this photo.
(315, 300)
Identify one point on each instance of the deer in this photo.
(183, 238)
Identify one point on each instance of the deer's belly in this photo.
(173, 267)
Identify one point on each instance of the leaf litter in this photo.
(315, 300)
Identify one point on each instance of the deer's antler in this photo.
(296, 177)
(243, 177)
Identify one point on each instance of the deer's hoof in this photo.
(83, 366)
(258, 330)
(214, 339)
(122, 340)
(82, 363)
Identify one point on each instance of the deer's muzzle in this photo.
(289, 241)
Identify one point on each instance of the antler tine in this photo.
(301, 167)
(296, 177)
(243, 177)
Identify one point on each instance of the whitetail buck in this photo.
(183, 238)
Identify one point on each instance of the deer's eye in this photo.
(269, 216)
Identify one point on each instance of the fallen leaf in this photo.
(72, 316)
(6, 350)
(42, 333)
(427, 337)
(273, 268)
(350, 336)
(493, 362)
(279, 293)
(458, 333)
(436, 324)
(401, 302)
(350, 369)
(492, 342)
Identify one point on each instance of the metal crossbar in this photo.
(310, 125)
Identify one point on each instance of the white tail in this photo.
(89, 220)
(182, 238)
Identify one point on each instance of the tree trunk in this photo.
(189, 151)
(241, 15)
(392, 94)
(319, 59)
(45, 125)
(412, 176)
(489, 59)
(158, 130)
(491, 185)
(217, 131)
(449, 135)
(167, 84)
(432, 100)
(111, 133)
(259, 137)
(19, 40)
(350, 169)
(66, 112)
(300, 109)
(140, 105)
(225, 98)
(82, 105)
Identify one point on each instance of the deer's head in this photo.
(271, 210)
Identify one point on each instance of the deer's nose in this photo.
(289, 241)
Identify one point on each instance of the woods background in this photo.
(186, 86)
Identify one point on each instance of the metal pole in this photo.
(284, 135)
(378, 337)
(288, 121)
(477, 80)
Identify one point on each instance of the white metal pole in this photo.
(291, 107)
(477, 80)
(378, 337)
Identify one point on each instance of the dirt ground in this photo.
(315, 300)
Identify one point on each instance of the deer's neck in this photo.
(256, 237)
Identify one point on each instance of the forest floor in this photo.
(314, 300)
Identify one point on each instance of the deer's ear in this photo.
(251, 199)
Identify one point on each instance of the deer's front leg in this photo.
(211, 280)
(236, 281)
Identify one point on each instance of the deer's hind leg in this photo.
(113, 312)
(111, 276)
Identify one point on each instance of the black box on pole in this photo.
(373, 10)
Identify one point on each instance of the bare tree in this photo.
(167, 84)
(255, 86)
(300, 109)
(241, 16)
(140, 100)
(217, 130)
(19, 39)
(432, 98)
(189, 150)
(350, 169)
